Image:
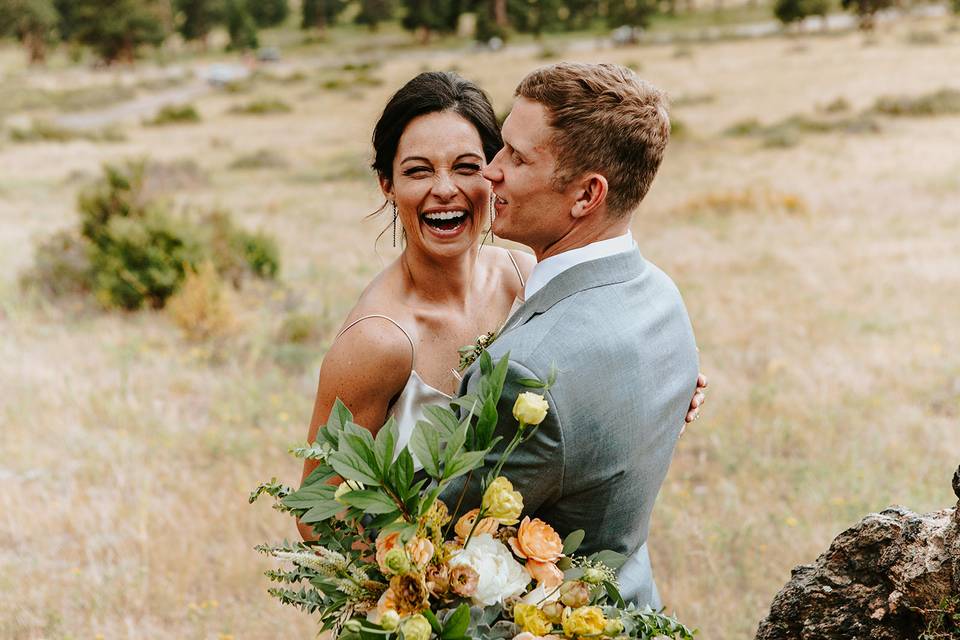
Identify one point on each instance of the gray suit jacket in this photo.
(619, 333)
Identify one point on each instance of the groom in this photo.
(581, 147)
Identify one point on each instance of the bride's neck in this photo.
(441, 280)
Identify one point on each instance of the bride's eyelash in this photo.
(412, 170)
(469, 166)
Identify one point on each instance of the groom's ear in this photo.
(591, 194)
(386, 185)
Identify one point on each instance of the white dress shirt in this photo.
(551, 267)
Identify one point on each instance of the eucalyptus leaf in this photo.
(612, 559)
(573, 541)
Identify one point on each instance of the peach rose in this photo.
(384, 545)
(387, 602)
(545, 573)
(537, 540)
(420, 551)
(465, 523)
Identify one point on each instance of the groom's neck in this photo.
(584, 234)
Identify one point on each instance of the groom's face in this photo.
(529, 209)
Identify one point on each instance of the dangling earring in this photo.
(394, 223)
(493, 199)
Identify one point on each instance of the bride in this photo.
(398, 348)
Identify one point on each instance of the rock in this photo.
(894, 575)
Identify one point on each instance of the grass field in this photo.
(821, 271)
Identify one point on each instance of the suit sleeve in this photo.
(535, 468)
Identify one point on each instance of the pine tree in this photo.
(320, 14)
(198, 17)
(268, 13)
(866, 10)
(631, 13)
(241, 26)
(373, 12)
(32, 22)
(115, 29)
(430, 16)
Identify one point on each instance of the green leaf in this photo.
(456, 625)
(320, 474)
(403, 467)
(370, 501)
(425, 443)
(486, 363)
(573, 574)
(339, 416)
(352, 467)
(612, 559)
(532, 383)
(442, 417)
(463, 463)
(455, 442)
(487, 422)
(564, 563)
(434, 623)
(385, 443)
(614, 593)
(309, 496)
(321, 512)
(552, 376)
(360, 441)
(384, 520)
(573, 541)
(499, 376)
(428, 501)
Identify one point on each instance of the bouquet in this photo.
(389, 560)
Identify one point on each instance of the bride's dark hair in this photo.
(430, 92)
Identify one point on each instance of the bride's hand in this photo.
(697, 401)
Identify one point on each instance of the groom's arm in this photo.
(536, 467)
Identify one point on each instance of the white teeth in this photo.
(445, 215)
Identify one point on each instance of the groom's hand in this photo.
(699, 397)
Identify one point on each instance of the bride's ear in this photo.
(591, 195)
(386, 185)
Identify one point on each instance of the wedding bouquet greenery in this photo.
(389, 560)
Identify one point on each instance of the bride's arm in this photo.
(366, 368)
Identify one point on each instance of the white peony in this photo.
(500, 575)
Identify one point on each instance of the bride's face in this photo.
(441, 197)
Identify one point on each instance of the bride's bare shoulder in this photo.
(508, 261)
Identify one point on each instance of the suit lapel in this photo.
(586, 275)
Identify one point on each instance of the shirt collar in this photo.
(548, 269)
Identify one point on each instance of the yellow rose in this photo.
(585, 621)
(501, 502)
(530, 408)
(531, 619)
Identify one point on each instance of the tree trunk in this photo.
(500, 13)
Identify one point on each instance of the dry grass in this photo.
(830, 340)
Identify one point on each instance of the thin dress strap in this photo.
(517, 267)
(413, 351)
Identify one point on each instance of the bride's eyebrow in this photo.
(416, 158)
(470, 154)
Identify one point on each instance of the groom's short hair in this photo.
(604, 119)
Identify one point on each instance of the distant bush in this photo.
(942, 102)
(300, 328)
(175, 114)
(787, 132)
(262, 106)
(923, 38)
(61, 265)
(790, 11)
(201, 308)
(837, 105)
(260, 159)
(131, 251)
(45, 131)
(729, 202)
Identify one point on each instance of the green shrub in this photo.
(300, 328)
(259, 159)
(747, 127)
(260, 252)
(45, 131)
(175, 114)
(262, 106)
(942, 102)
(132, 252)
